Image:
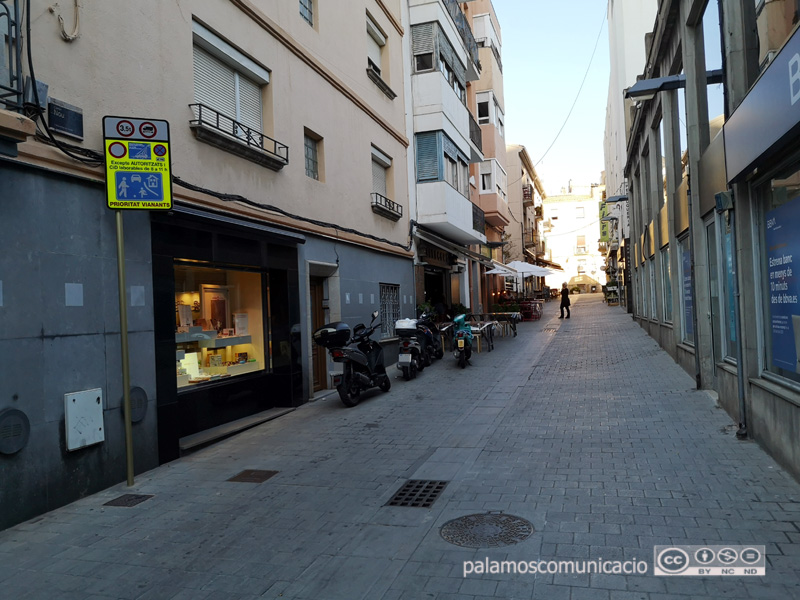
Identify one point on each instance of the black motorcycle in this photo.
(362, 358)
(433, 337)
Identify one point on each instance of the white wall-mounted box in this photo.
(83, 418)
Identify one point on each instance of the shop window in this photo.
(653, 299)
(780, 222)
(390, 308)
(219, 324)
(729, 310)
(666, 285)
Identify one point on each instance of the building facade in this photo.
(712, 165)
(289, 154)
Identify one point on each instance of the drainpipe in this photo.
(693, 290)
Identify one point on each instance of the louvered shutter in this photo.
(449, 54)
(427, 157)
(422, 38)
(250, 104)
(449, 147)
(214, 83)
(378, 178)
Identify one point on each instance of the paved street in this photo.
(583, 427)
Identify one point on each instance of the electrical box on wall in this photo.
(83, 418)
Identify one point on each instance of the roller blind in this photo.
(249, 103)
(214, 83)
(427, 157)
(378, 178)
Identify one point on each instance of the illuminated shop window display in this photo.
(219, 324)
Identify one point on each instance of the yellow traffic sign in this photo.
(138, 174)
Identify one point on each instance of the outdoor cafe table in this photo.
(481, 330)
(509, 320)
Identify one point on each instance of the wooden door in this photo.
(318, 358)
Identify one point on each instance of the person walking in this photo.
(564, 300)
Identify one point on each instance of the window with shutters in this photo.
(381, 187)
(307, 11)
(432, 50)
(427, 156)
(422, 47)
(228, 100)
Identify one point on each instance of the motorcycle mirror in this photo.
(374, 314)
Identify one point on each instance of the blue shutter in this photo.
(427, 156)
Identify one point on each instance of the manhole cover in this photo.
(253, 476)
(486, 530)
(420, 493)
(128, 500)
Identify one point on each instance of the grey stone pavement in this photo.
(584, 427)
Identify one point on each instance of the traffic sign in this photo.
(138, 173)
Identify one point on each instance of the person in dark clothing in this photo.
(564, 300)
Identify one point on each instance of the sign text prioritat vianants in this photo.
(783, 268)
(138, 174)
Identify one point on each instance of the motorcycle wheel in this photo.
(348, 392)
(385, 384)
(462, 360)
(421, 362)
(406, 373)
(427, 358)
(439, 352)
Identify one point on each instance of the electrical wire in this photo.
(585, 75)
(37, 109)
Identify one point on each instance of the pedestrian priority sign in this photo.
(138, 173)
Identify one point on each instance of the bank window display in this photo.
(219, 324)
(780, 199)
(666, 284)
(685, 277)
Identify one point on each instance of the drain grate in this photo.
(253, 476)
(549, 329)
(128, 500)
(420, 493)
(486, 530)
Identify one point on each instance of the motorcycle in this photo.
(462, 340)
(432, 334)
(362, 358)
(411, 353)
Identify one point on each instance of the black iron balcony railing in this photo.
(539, 212)
(530, 238)
(478, 219)
(381, 205)
(475, 133)
(527, 194)
(220, 130)
(11, 81)
(462, 25)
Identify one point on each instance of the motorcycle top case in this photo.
(405, 327)
(332, 335)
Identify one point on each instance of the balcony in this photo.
(581, 250)
(527, 195)
(442, 209)
(539, 212)
(475, 133)
(212, 127)
(530, 238)
(465, 31)
(381, 205)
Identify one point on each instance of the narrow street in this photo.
(584, 427)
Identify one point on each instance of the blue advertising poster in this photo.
(783, 244)
(688, 319)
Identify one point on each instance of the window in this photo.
(653, 300)
(666, 283)
(312, 156)
(731, 348)
(307, 11)
(390, 308)
(483, 112)
(499, 119)
(376, 40)
(581, 245)
(685, 277)
(779, 223)
(581, 266)
(579, 214)
(227, 81)
(219, 324)
(380, 168)
(424, 62)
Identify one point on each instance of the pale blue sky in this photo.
(546, 51)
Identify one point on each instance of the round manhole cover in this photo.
(486, 530)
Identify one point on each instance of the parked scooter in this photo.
(362, 357)
(410, 358)
(462, 340)
(432, 335)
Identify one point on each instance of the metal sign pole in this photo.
(123, 329)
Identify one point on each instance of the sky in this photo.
(546, 51)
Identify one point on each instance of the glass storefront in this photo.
(219, 325)
(685, 268)
(667, 284)
(779, 224)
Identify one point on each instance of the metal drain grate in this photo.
(253, 476)
(128, 500)
(549, 329)
(420, 493)
(486, 530)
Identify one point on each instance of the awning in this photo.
(549, 264)
(452, 247)
(501, 269)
